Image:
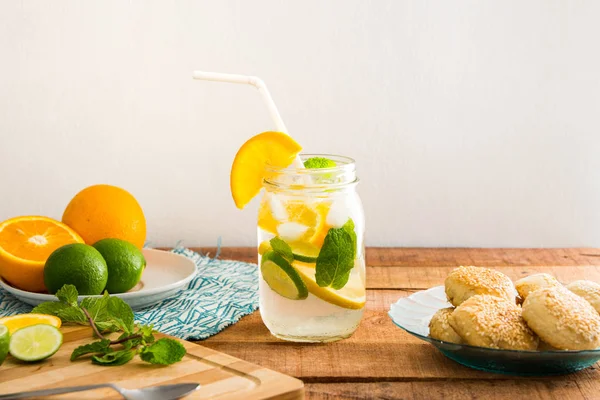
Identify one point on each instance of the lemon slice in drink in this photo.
(282, 277)
(4, 340)
(248, 169)
(263, 247)
(35, 342)
(352, 296)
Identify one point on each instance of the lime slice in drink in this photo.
(4, 339)
(305, 252)
(282, 277)
(301, 251)
(35, 342)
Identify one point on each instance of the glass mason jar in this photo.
(311, 252)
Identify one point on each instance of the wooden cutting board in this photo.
(220, 376)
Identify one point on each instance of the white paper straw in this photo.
(261, 87)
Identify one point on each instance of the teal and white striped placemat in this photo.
(222, 292)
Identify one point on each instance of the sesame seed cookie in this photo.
(493, 322)
(534, 282)
(588, 290)
(440, 329)
(464, 282)
(562, 319)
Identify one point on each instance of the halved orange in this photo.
(248, 169)
(15, 322)
(25, 245)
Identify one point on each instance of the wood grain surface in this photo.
(219, 375)
(381, 361)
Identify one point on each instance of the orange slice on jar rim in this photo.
(248, 169)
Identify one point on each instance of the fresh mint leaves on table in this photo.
(111, 314)
(336, 258)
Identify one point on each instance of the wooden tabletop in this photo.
(382, 361)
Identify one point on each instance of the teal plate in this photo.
(414, 312)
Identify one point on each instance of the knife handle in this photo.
(50, 392)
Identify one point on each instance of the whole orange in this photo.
(104, 211)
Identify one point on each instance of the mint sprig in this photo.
(101, 346)
(162, 352)
(336, 258)
(114, 358)
(111, 314)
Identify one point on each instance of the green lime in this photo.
(125, 264)
(282, 277)
(35, 342)
(305, 252)
(4, 340)
(78, 264)
(319, 162)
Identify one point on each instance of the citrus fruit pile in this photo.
(97, 245)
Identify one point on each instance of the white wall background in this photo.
(473, 123)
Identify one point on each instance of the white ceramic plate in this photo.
(165, 274)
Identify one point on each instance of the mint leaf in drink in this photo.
(319, 162)
(336, 258)
(114, 358)
(349, 227)
(101, 346)
(68, 294)
(164, 352)
(282, 248)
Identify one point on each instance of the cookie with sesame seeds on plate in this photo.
(588, 290)
(440, 329)
(534, 282)
(465, 282)
(562, 319)
(493, 322)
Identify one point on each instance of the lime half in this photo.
(4, 339)
(282, 277)
(305, 252)
(35, 342)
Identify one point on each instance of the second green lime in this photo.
(125, 264)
